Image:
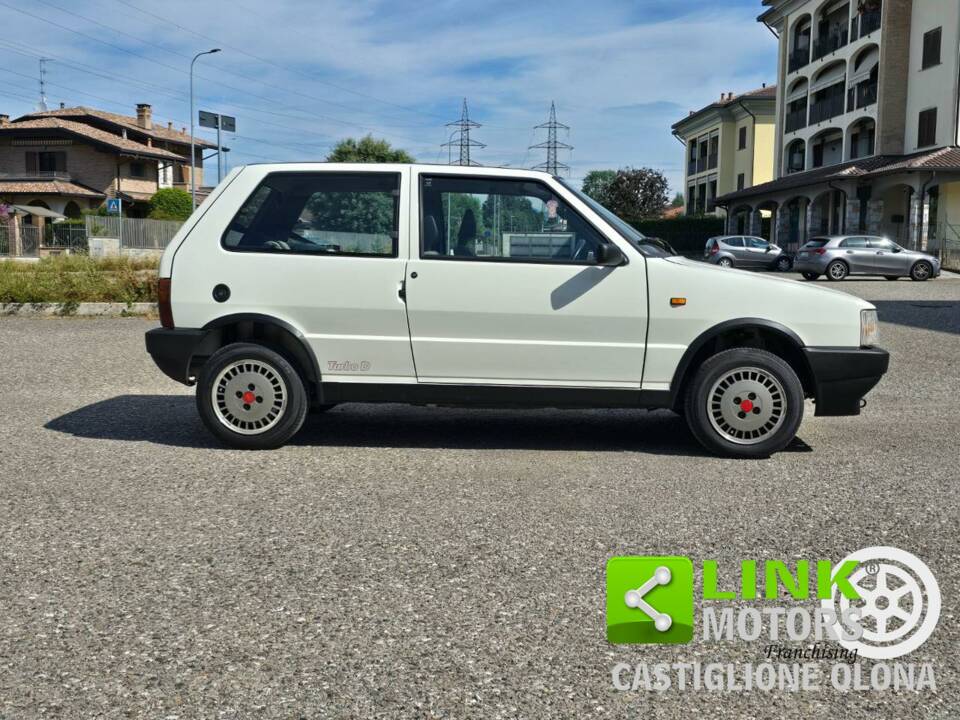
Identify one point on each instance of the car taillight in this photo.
(714, 249)
(820, 251)
(163, 302)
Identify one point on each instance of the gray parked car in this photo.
(746, 251)
(840, 255)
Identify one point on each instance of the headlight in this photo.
(869, 328)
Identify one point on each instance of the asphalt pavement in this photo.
(416, 562)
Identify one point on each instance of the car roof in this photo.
(438, 168)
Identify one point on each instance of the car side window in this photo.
(854, 242)
(734, 241)
(879, 244)
(319, 214)
(503, 220)
(758, 243)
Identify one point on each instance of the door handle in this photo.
(402, 290)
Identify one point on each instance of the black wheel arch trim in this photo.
(236, 318)
(715, 331)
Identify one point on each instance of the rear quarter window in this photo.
(816, 243)
(319, 214)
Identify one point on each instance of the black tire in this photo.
(277, 388)
(725, 263)
(810, 275)
(783, 264)
(892, 277)
(921, 271)
(774, 387)
(837, 270)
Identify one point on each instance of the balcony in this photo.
(712, 161)
(692, 167)
(796, 119)
(37, 175)
(862, 95)
(702, 164)
(826, 45)
(798, 58)
(864, 24)
(830, 104)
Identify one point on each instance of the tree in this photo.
(677, 200)
(170, 204)
(368, 150)
(597, 184)
(638, 193)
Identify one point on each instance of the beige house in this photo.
(867, 123)
(728, 147)
(70, 159)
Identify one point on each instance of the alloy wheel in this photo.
(746, 405)
(921, 271)
(837, 271)
(249, 397)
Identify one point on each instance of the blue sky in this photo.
(301, 74)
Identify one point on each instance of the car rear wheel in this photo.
(921, 271)
(810, 275)
(744, 402)
(725, 262)
(783, 264)
(251, 397)
(837, 270)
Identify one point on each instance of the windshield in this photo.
(645, 245)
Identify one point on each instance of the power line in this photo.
(552, 165)
(462, 128)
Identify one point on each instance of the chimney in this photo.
(170, 125)
(145, 116)
(62, 105)
(4, 119)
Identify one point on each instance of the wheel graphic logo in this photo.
(899, 603)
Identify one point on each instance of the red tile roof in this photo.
(52, 186)
(158, 131)
(767, 92)
(102, 137)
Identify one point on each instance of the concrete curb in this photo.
(101, 309)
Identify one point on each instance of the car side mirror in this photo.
(609, 255)
(897, 249)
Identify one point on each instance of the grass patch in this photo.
(74, 279)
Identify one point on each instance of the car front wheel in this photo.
(744, 402)
(837, 270)
(784, 264)
(921, 271)
(251, 397)
(810, 275)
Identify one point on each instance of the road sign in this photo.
(228, 124)
(114, 206)
(209, 119)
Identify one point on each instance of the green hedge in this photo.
(687, 235)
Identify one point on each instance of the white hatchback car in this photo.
(299, 286)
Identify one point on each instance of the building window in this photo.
(742, 139)
(927, 131)
(46, 162)
(691, 200)
(931, 48)
(741, 181)
(138, 170)
(714, 152)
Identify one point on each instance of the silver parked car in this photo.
(746, 251)
(837, 256)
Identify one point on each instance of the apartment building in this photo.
(67, 160)
(728, 147)
(866, 123)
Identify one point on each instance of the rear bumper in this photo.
(172, 350)
(843, 376)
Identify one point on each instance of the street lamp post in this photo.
(193, 179)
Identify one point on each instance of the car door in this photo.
(504, 288)
(855, 251)
(885, 258)
(324, 253)
(757, 250)
(737, 248)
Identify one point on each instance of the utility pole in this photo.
(463, 126)
(42, 105)
(552, 165)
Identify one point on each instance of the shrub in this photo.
(72, 279)
(171, 204)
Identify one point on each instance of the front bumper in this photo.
(843, 376)
(173, 349)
